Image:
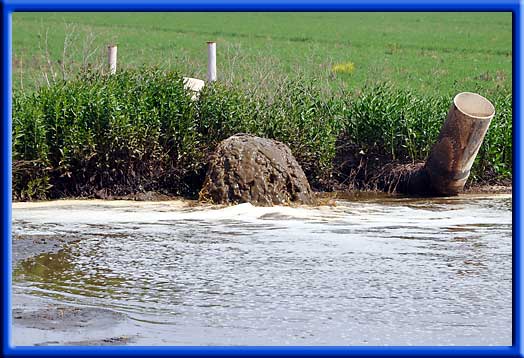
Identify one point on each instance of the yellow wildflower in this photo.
(348, 67)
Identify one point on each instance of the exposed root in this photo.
(401, 178)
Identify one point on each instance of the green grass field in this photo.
(435, 53)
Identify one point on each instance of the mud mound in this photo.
(250, 169)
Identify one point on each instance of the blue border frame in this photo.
(7, 7)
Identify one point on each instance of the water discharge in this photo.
(369, 271)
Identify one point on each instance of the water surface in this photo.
(370, 271)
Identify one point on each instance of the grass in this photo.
(434, 53)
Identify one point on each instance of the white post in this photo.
(111, 58)
(211, 61)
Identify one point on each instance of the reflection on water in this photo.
(375, 271)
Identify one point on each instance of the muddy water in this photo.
(370, 271)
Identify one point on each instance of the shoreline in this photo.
(25, 247)
(321, 196)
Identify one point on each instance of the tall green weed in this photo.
(141, 130)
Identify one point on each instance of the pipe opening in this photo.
(474, 105)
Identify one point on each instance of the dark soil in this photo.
(353, 170)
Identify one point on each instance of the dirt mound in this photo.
(260, 171)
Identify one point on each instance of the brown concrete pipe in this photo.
(451, 157)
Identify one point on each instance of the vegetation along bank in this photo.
(140, 131)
